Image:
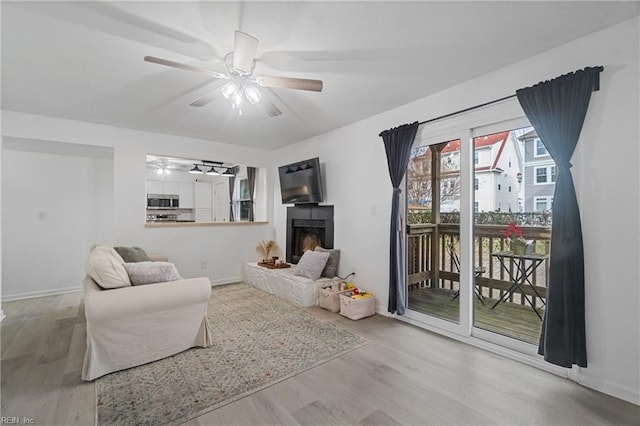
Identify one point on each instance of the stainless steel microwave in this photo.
(163, 201)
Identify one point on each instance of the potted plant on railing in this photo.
(519, 246)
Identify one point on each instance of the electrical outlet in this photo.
(203, 265)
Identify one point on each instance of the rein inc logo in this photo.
(17, 421)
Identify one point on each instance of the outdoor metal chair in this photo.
(477, 271)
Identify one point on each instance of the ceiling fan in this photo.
(242, 86)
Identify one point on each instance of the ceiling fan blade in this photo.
(290, 83)
(270, 108)
(244, 50)
(187, 67)
(206, 99)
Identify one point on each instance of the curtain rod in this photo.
(467, 109)
(598, 69)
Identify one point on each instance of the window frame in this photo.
(550, 174)
(548, 199)
(239, 200)
(537, 141)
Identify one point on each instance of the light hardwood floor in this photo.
(405, 375)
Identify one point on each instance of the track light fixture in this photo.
(299, 168)
(196, 170)
(216, 168)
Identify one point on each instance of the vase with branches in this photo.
(265, 247)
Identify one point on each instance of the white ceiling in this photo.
(84, 60)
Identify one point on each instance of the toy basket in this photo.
(357, 308)
(329, 299)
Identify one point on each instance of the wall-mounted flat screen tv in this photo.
(301, 183)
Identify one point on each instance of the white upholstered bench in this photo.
(300, 291)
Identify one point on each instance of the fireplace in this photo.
(307, 228)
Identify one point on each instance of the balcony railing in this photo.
(428, 244)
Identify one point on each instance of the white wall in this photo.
(215, 251)
(54, 208)
(1, 310)
(605, 163)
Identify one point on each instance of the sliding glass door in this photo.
(471, 197)
(433, 196)
(514, 180)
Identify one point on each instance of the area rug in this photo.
(258, 340)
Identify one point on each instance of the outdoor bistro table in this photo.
(520, 274)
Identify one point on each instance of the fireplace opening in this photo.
(307, 239)
(307, 228)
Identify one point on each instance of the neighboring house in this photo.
(497, 167)
(497, 162)
(539, 172)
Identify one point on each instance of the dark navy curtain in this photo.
(251, 181)
(397, 144)
(556, 110)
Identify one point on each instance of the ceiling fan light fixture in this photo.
(253, 94)
(241, 86)
(230, 89)
(238, 100)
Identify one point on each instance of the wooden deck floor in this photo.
(509, 319)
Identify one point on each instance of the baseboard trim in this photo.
(41, 293)
(614, 389)
(223, 281)
(58, 291)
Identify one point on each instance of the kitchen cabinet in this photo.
(186, 193)
(170, 187)
(203, 202)
(203, 195)
(203, 215)
(155, 187)
(162, 187)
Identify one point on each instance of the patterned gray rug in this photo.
(258, 340)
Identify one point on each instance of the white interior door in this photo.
(221, 202)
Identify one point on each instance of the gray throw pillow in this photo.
(132, 254)
(311, 264)
(151, 272)
(331, 268)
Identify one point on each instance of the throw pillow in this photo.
(151, 272)
(311, 264)
(331, 268)
(105, 267)
(108, 249)
(132, 254)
